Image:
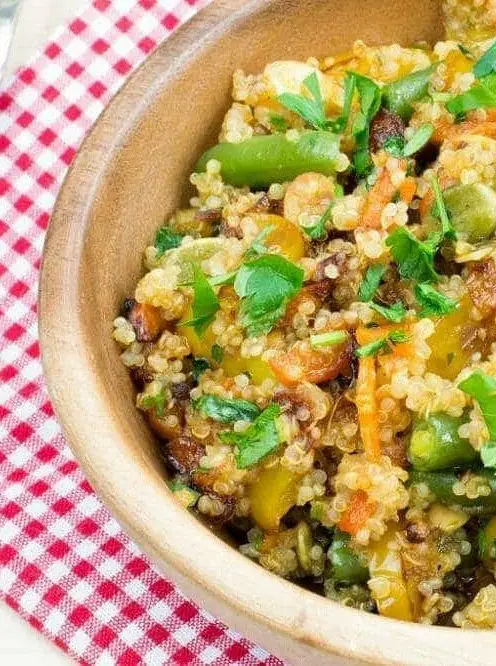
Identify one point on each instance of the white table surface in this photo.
(20, 645)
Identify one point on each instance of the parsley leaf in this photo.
(217, 353)
(205, 303)
(265, 286)
(318, 231)
(481, 95)
(397, 146)
(441, 213)
(415, 258)
(278, 123)
(226, 410)
(258, 245)
(259, 440)
(166, 239)
(482, 388)
(396, 313)
(199, 367)
(328, 339)
(340, 124)
(155, 402)
(221, 280)
(486, 64)
(312, 110)
(371, 281)
(370, 103)
(373, 348)
(433, 303)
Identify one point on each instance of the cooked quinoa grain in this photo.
(314, 340)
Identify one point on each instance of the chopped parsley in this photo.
(415, 259)
(226, 410)
(258, 247)
(480, 96)
(370, 103)
(221, 280)
(278, 122)
(340, 124)
(384, 344)
(265, 286)
(395, 313)
(482, 388)
(217, 353)
(166, 239)
(486, 64)
(199, 367)
(186, 495)
(311, 109)
(205, 303)
(433, 303)
(398, 147)
(371, 281)
(318, 231)
(155, 402)
(328, 339)
(441, 213)
(259, 440)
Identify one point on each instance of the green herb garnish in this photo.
(221, 280)
(433, 303)
(398, 147)
(199, 367)
(226, 410)
(395, 313)
(370, 103)
(441, 213)
(258, 247)
(278, 122)
(486, 64)
(415, 259)
(384, 344)
(166, 239)
(266, 285)
(371, 281)
(480, 96)
(217, 353)
(328, 339)
(259, 440)
(312, 109)
(482, 388)
(155, 402)
(205, 303)
(188, 496)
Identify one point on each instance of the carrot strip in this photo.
(379, 196)
(407, 190)
(358, 512)
(367, 407)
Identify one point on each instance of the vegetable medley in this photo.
(314, 340)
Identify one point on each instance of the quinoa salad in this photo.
(314, 338)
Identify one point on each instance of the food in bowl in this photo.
(314, 342)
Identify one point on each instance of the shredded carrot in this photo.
(381, 193)
(367, 407)
(358, 512)
(448, 132)
(407, 190)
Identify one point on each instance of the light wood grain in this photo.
(129, 176)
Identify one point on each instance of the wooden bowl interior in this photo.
(129, 177)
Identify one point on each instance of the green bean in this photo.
(472, 210)
(487, 542)
(399, 95)
(263, 160)
(347, 565)
(441, 485)
(435, 444)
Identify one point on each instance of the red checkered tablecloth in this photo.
(65, 564)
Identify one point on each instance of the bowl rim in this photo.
(306, 617)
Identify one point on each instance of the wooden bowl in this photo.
(128, 177)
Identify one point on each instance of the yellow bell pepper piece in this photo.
(385, 565)
(272, 495)
(285, 235)
(448, 356)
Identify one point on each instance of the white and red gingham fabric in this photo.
(65, 564)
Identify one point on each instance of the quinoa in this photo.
(315, 349)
